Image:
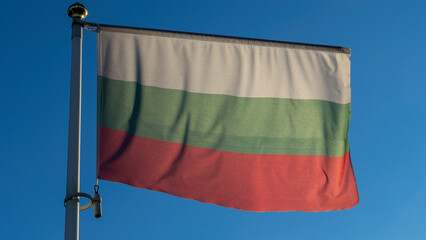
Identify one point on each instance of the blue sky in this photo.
(387, 129)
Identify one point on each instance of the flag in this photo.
(249, 124)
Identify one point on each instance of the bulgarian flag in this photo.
(249, 124)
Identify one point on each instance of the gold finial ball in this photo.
(77, 10)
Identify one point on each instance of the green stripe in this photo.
(227, 123)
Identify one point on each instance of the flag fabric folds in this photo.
(249, 124)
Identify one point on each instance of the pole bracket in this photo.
(74, 198)
(96, 201)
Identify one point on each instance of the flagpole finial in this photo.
(77, 10)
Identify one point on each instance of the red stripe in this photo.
(253, 182)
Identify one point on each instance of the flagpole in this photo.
(77, 12)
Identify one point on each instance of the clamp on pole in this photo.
(96, 201)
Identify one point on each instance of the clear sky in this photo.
(387, 129)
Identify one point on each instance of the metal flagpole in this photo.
(77, 12)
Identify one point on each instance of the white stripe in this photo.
(216, 67)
